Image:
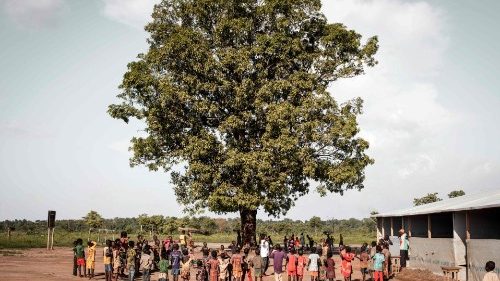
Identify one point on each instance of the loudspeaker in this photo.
(51, 221)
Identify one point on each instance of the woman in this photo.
(346, 265)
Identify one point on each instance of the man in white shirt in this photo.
(264, 252)
(404, 244)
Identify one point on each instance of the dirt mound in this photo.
(418, 275)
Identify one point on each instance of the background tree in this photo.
(93, 220)
(143, 220)
(237, 91)
(429, 198)
(314, 223)
(456, 193)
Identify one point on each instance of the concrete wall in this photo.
(479, 251)
(432, 253)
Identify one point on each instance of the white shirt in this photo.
(490, 276)
(264, 248)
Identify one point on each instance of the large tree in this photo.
(429, 198)
(93, 220)
(236, 91)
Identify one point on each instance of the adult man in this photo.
(302, 240)
(404, 244)
(264, 252)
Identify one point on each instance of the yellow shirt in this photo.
(182, 239)
(107, 260)
(91, 252)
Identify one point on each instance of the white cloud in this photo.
(34, 13)
(135, 13)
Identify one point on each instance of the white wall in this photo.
(479, 251)
(432, 253)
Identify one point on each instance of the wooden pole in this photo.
(52, 238)
(392, 226)
(467, 225)
(48, 238)
(383, 227)
(429, 227)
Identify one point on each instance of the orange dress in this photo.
(346, 265)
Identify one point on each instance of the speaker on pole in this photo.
(51, 221)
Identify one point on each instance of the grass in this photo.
(20, 240)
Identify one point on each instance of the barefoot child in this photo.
(175, 260)
(146, 263)
(186, 267)
(378, 264)
(330, 266)
(108, 256)
(301, 265)
(213, 265)
(80, 257)
(236, 262)
(131, 260)
(291, 265)
(313, 264)
(90, 262)
(223, 265)
(257, 264)
(363, 263)
(200, 271)
(116, 260)
(346, 265)
(163, 265)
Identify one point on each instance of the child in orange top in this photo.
(236, 261)
(301, 264)
(346, 266)
(291, 266)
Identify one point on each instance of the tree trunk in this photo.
(248, 226)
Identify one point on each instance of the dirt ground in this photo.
(58, 265)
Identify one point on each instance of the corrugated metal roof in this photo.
(466, 202)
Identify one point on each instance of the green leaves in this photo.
(236, 90)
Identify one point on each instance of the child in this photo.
(363, 263)
(301, 264)
(91, 258)
(163, 265)
(378, 264)
(75, 265)
(313, 264)
(175, 261)
(490, 273)
(346, 266)
(236, 262)
(257, 264)
(108, 256)
(371, 254)
(116, 260)
(244, 264)
(186, 267)
(330, 266)
(223, 265)
(387, 263)
(278, 256)
(291, 265)
(80, 257)
(322, 265)
(131, 260)
(213, 265)
(146, 263)
(201, 272)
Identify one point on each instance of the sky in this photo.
(430, 113)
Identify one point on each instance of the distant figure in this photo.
(183, 239)
(238, 239)
(302, 240)
(341, 240)
(387, 240)
(490, 272)
(404, 244)
(311, 242)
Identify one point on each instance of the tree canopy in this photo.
(93, 219)
(456, 193)
(237, 92)
(429, 198)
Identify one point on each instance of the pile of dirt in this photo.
(418, 275)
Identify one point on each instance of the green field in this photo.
(65, 239)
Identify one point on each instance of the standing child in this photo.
(313, 264)
(257, 264)
(301, 264)
(75, 265)
(116, 260)
(322, 265)
(387, 263)
(330, 266)
(236, 262)
(163, 265)
(223, 265)
(175, 260)
(80, 257)
(291, 265)
(186, 266)
(200, 272)
(108, 256)
(363, 263)
(90, 262)
(131, 260)
(378, 264)
(278, 256)
(146, 263)
(346, 266)
(490, 273)
(213, 266)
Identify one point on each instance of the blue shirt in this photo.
(378, 261)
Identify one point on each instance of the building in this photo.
(462, 231)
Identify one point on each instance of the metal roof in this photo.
(466, 202)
